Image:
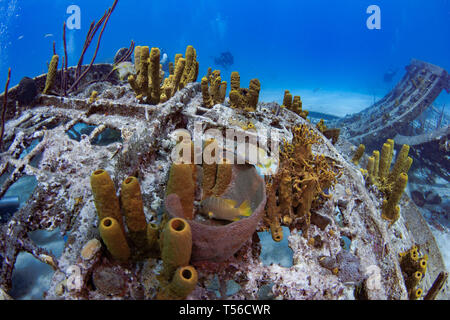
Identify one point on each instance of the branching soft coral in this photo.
(301, 179)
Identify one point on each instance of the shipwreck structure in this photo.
(391, 116)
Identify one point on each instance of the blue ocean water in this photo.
(324, 46)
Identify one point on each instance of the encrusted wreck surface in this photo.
(63, 199)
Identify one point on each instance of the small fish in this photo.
(48, 35)
(224, 209)
(20, 38)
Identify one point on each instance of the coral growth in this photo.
(301, 179)
(414, 268)
(243, 98)
(176, 245)
(391, 183)
(51, 75)
(213, 89)
(114, 239)
(105, 198)
(149, 84)
(173, 244)
(358, 154)
(294, 105)
(182, 180)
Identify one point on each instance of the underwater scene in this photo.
(224, 150)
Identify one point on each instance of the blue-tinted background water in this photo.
(309, 47)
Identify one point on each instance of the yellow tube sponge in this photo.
(384, 161)
(137, 58)
(358, 154)
(190, 67)
(105, 199)
(391, 155)
(223, 178)
(391, 210)
(235, 99)
(207, 101)
(142, 75)
(183, 283)
(216, 81)
(376, 165)
(176, 245)
(154, 88)
(370, 169)
(287, 100)
(209, 169)
(400, 163)
(408, 164)
(416, 294)
(179, 69)
(253, 95)
(114, 239)
(152, 234)
(235, 82)
(133, 209)
(153, 240)
(223, 91)
(297, 105)
(182, 182)
(51, 74)
(177, 58)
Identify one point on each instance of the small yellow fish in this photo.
(224, 209)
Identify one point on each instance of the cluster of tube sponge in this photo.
(213, 88)
(214, 91)
(414, 269)
(392, 183)
(294, 104)
(243, 98)
(149, 83)
(216, 176)
(173, 244)
(301, 179)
